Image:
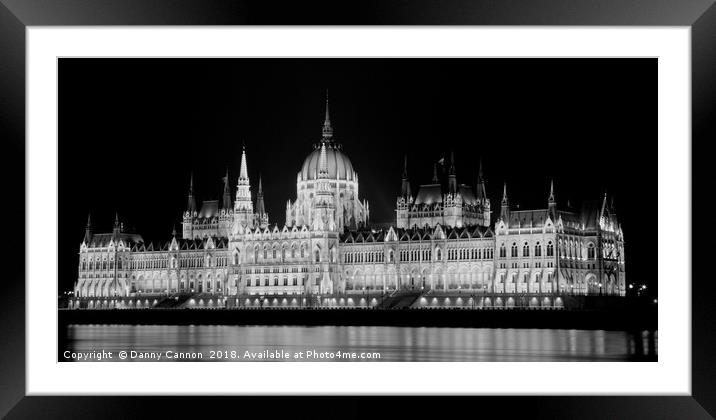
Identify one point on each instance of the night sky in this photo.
(132, 130)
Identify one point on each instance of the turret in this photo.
(117, 229)
(481, 191)
(505, 211)
(405, 185)
(261, 215)
(452, 176)
(191, 201)
(552, 202)
(227, 192)
(88, 231)
(483, 201)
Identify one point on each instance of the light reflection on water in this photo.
(395, 344)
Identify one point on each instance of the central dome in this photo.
(339, 166)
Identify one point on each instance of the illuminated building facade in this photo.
(444, 249)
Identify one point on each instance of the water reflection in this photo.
(395, 344)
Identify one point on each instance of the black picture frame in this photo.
(16, 15)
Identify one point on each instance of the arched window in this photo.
(538, 250)
(391, 256)
(317, 255)
(302, 252)
(590, 251)
(273, 253)
(283, 254)
(526, 250)
(256, 254)
(265, 253)
(236, 258)
(514, 250)
(550, 249)
(503, 251)
(293, 252)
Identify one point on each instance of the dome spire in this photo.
(327, 129)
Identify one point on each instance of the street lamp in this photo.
(600, 289)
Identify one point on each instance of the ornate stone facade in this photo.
(444, 247)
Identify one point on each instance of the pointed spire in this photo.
(260, 207)
(435, 173)
(405, 187)
(117, 226)
(191, 202)
(174, 231)
(244, 173)
(227, 191)
(552, 202)
(604, 204)
(505, 211)
(481, 190)
(327, 129)
(452, 177)
(88, 230)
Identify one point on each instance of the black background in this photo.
(131, 131)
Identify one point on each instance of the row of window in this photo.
(257, 282)
(526, 278)
(155, 263)
(419, 255)
(514, 250)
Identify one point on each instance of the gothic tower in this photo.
(243, 206)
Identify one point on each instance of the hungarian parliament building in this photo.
(447, 247)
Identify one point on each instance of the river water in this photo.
(347, 343)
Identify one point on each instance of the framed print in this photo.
(394, 207)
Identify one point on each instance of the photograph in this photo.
(357, 210)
